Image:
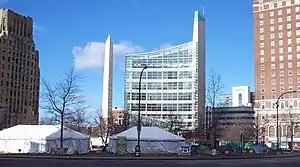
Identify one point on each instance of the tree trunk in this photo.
(61, 133)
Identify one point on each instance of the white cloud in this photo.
(92, 54)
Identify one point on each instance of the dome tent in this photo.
(41, 139)
(152, 140)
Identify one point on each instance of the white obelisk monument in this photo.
(107, 79)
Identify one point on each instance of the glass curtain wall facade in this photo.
(173, 85)
(169, 85)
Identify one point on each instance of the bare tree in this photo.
(62, 99)
(48, 120)
(105, 128)
(214, 89)
(175, 123)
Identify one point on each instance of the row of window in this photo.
(281, 73)
(162, 107)
(161, 85)
(282, 104)
(163, 75)
(282, 89)
(278, 4)
(162, 96)
(285, 131)
(280, 36)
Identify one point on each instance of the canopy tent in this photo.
(152, 140)
(41, 139)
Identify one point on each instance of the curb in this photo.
(141, 158)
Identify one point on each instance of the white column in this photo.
(107, 79)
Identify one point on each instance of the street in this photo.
(270, 162)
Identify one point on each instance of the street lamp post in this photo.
(139, 128)
(277, 119)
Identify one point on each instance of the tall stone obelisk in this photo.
(107, 79)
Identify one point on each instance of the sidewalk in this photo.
(11, 156)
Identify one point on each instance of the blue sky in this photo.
(65, 28)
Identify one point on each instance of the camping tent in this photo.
(41, 139)
(153, 140)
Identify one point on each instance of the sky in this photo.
(71, 34)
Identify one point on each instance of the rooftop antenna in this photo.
(203, 10)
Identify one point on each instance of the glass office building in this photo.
(173, 85)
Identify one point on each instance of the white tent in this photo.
(41, 139)
(152, 140)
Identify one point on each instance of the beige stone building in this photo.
(19, 71)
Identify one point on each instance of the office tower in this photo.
(107, 79)
(20, 73)
(241, 96)
(277, 65)
(173, 85)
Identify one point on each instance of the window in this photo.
(262, 67)
(290, 72)
(289, 18)
(298, 24)
(281, 65)
(262, 82)
(261, 30)
(240, 99)
(288, 26)
(288, 11)
(273, 74)
(262, 90)
(273, 66)
(281, 73)
(272, 51)
(280, 35)
(280, 27)
(298, 63)
(297, 9)
(298, 48)
(290, 57)
(262, 60)
(297, 32)
(280, 42)
(272, 36)
(261, 37)
(271, 21)
(280, 50)
(272, 13)
(272, 58)
(262, 52)
(290, 80)
(281, 81)
(272, 43)
(290, 65)
(261, 15)
(297, 17)
(261, 22)
(262, 45)
(273, 81)
(298, 56)
(281, 58)
(279, 12)
(262, 75)
(289, 33)
(289, 41)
